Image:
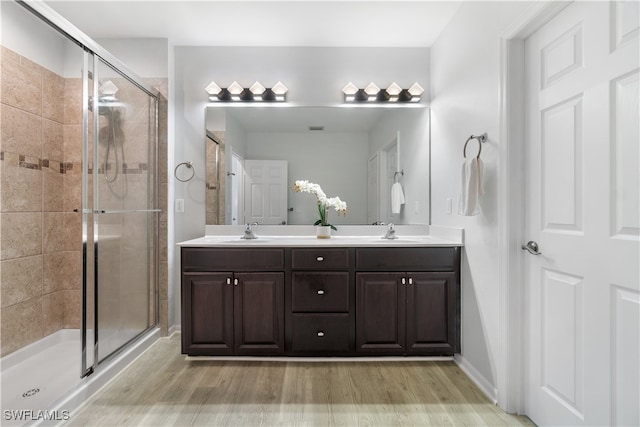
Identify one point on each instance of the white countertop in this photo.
(347, 236)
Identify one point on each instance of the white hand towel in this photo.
(397, 198)
(471, 187)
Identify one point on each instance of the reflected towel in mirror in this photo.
(397, 198)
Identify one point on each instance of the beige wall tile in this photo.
(53, 237)
(72, 143)
(52, 96)
(53, 312)
(73, 309)
(73, 189)
(73, 270)
(21, 186)
(21, 325)
(21, 234)
(52, 188)
(52, 140)
(72, 101)
(22, 86)
(72, 231)
(8, 54)
(55, 269)
(21, 132)
(21, 279)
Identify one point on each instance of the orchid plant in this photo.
(324, 202)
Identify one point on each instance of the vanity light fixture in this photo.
(236, 93)
(372, 93)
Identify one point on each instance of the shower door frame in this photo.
(93, 50)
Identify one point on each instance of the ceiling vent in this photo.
(316, 128)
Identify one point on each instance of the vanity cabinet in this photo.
(319, 301)
(406, 313)
(321, 304)
(407, 301)
(232, 312)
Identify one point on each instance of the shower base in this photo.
(41, 385)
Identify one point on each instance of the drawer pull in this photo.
(320, 334)
(321, 292)
(320, 259)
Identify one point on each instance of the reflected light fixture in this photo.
(108, 91)
(236, 93)
(372, 93)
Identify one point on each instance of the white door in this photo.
(582, 292)
(373, 189)
(265, 191)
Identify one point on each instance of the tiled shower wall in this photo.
(40, 234)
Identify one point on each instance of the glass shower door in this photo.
(121, 214)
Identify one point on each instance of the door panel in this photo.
(380, 319)
(208, 317)
(265, 191)
(583, 211)
(431, 304)
(259, 312)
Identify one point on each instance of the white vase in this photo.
(323, 231)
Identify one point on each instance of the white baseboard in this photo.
(173, 329)
(478, 379)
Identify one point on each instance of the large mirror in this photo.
(372, 157)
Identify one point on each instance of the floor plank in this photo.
(162, 388)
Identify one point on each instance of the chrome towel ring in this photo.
(481, 139)
(188, 165)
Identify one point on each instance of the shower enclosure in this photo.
(119, 214)
(80, 217)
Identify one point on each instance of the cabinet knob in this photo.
(320, 259)
(320, 334)
(228, 280)
(411, 280)
(321, 292)
(404, 281)
(235, 282)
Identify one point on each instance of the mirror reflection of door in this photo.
(236, 180)
(265, 192)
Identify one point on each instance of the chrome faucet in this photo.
(391, 232)
(248, 232)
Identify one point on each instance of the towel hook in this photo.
(395, 175)
(481, 139)
(188, 165)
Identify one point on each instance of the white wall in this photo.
(335, 160)
(314, 76)
(465, 100)
(24, 33)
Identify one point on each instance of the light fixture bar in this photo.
(237, 93)
(373, 93)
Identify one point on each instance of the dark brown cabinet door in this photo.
(207, 314)
(380, 314)
(431, 313)
(259, 313)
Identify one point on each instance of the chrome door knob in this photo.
(532, 247)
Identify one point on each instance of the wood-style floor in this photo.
(162, 388)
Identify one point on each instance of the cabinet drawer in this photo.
(230, 259)
(407, 259)
(320, 259)
(320, 333)
(320, 291)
